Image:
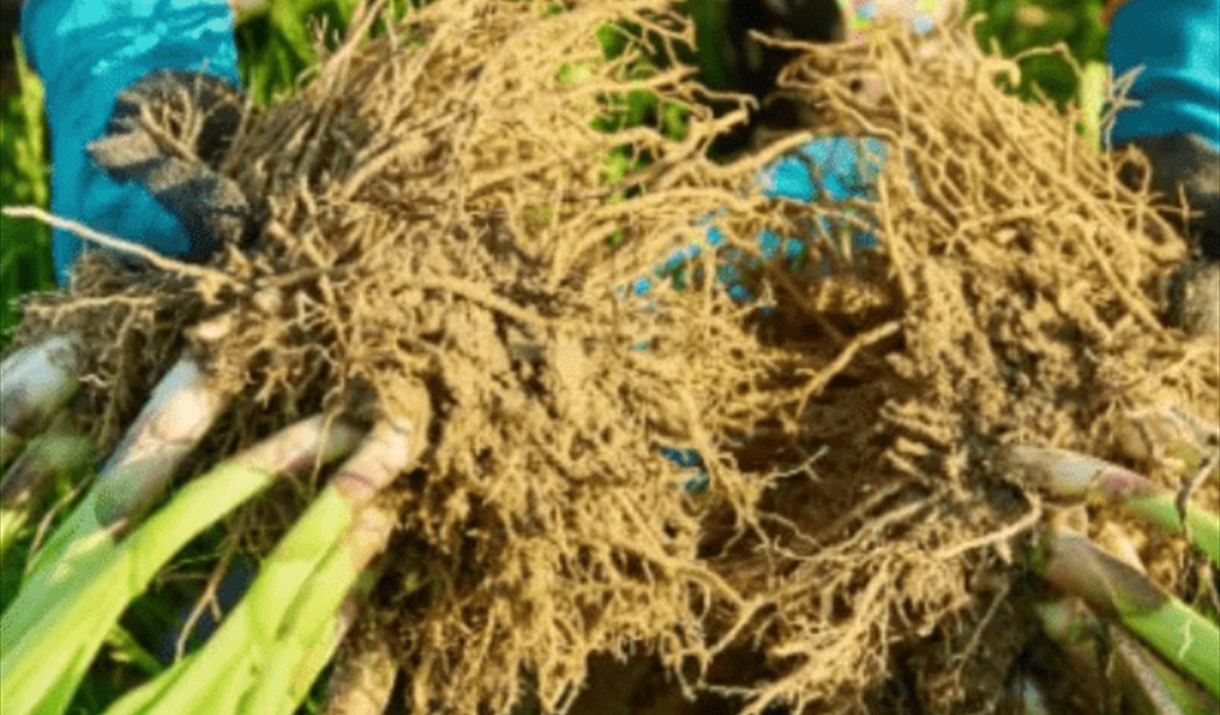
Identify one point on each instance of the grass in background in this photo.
(275, 42)
(1020, 25)
(25, 246)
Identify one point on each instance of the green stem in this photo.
(272, 645)
(52, 631)
(1070, 475)
(181, 410)
(1180, 635)
(1092, 100)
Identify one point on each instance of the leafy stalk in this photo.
(1070, 475)
(52, 631)
(1181, 636)
(272, 646)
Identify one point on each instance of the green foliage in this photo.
(709, 18)
(636, 107)
(277, 42)
(25, 247)
(87, 575)
(1017, 26)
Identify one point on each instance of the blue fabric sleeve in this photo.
(86, 51)
(1178, 44)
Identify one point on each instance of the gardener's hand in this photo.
(839, 169)
(142, 106)
(101, 557)
(99, 61)
(1174, 121)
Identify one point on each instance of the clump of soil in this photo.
(440, 223)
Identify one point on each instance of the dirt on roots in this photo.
(441, 227)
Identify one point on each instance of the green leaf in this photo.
(53, 630)
(25, 264)
(126, 649)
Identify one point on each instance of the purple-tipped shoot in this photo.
(1070, 475)
(1142, 677)
(1116, 590)
(182, 409)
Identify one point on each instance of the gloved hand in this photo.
(112, 70)
(99, 61)
(1176, 124)
(1167, 128)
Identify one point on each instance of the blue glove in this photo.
(87, 51)
(828, 168)
(1177, 125)
(1178, 43)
